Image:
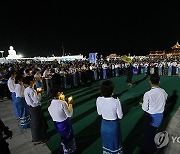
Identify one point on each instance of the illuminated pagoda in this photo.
(176, 47)
(175, 50)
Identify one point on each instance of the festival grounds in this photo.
(86, 122)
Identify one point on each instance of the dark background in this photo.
(39, 28)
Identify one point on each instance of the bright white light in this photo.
(11, 48)
(20, 56)
(11, 51)
(2, 53)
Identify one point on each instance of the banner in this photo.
(92, 58)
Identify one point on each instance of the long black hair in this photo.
(53, 93)
(18, 78)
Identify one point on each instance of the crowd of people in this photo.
(25, 83)
(70, 74)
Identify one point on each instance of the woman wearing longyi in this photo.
(110, 110)
(38, 123)
(60, 111)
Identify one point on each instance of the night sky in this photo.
(39, 28)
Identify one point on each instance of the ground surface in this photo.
(86, 122)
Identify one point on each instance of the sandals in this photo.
(40, 142)
(45, 140)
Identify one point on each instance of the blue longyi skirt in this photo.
(13, 96)
(111, 136)
(152, 123)
(23, 112)
(67, 136)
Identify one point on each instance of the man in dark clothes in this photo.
(3, 144)
(129, 74)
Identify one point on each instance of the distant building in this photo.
(112, 56)
(175, 50)
(176, 47)
(157, 53)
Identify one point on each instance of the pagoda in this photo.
(176, 47)
(175, 50)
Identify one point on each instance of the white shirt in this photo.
(46, 74)
(91, 68)
(123, 65)
(117, 66)
(104, 66)
(31, 97)
(59, 110)
(25, 74)
(11, 84)
(56, 70)
(38, 76)
(169, 64)
(154, 101)
(178, 65)
(19, 90)
(174, 64)
(110, 108)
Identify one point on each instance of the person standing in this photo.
(38, 123)
(160, 70)
(153, 104)
(21, 104)
(129, 74)
(169, 69)
(38, 78)
(61, 111)
(11, 86)
(117, 69)
(111, 111)
(152, 68)
(48, 78)
(178, 67)
(104, 67)
(165, 71)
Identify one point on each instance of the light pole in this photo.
(63, 49)
(2, 53)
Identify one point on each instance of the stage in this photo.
(86, 122)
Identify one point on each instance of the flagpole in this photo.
(63, 49)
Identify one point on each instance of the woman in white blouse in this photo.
(38, 123)
(20, 103)
(110, 110)
(38, 78)
(60, 112)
